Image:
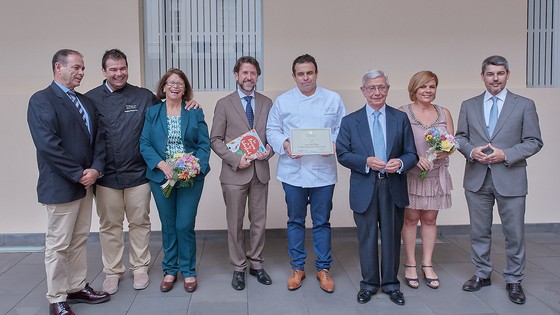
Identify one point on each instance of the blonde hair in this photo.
(419, 79)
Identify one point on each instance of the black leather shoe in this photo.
(261, 275)
(364, 296)
(475, 283)
(515, 293)
(88, 295)
(238, 281)
(396, 297)
(60, 308)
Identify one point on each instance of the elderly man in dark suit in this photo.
(376, 143)
(497, 132)
(70, 157)
(244, 179)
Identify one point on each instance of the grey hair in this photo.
(495, 61)
(373, 74)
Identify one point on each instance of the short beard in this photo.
(243, 89)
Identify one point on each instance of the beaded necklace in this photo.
(419, 122)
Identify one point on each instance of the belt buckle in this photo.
(381, 175)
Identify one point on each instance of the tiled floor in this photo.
(22, 283)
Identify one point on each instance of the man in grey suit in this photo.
(244, 179)
(497, 131)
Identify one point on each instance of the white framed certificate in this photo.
(304, 141)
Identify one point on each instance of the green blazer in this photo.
(153, 140)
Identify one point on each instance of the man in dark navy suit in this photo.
(70, 157)
(376, 143)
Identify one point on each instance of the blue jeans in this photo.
(320, 199)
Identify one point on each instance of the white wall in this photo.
(347, 38)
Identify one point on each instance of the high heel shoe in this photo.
(430, 281)
(409, 281)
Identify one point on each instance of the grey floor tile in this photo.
(33, 259)
(8, 301)
(35, 297)
(28, 310)
(217, 308)
(535, 249)
(495, 297)
(214, 295)
(21, 279)
(8, 260)
(544, 293)
(446, 253)
(160, 305)
(544, 238)
(542, 269)
(550, 264)
(555, 247)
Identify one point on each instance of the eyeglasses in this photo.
(379, 88)
(178, 84)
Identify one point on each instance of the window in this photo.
(543, 53)
(203, 38)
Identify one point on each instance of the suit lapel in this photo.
(509, 105)
(240, 109)
(184, 121)
(67, 102)
(258, 109)
(390, 130)
(364, 131)
(479, 113)
(162, 121)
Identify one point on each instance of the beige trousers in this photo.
(112, 206)
(65, 247)
(254, 195)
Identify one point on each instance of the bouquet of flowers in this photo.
(439, 141)
(185, 168)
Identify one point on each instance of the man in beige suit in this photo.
(244, 180)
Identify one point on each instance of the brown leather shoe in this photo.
(294, 281)
(88, 295)
(166, 286)
(60, 308)
(190, 286)
(327, 283)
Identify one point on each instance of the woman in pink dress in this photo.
(427, 194)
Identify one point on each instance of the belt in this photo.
(381, 175)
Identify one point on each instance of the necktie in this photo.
(249, 111)
(378, 138)
(493, 115)
(74, 99)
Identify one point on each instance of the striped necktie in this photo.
(74, 99)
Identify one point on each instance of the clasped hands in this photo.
(497, 155)
(392, 166)
(89, 176)
(245, 160)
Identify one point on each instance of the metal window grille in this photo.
(203, 38)
(543, 53)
